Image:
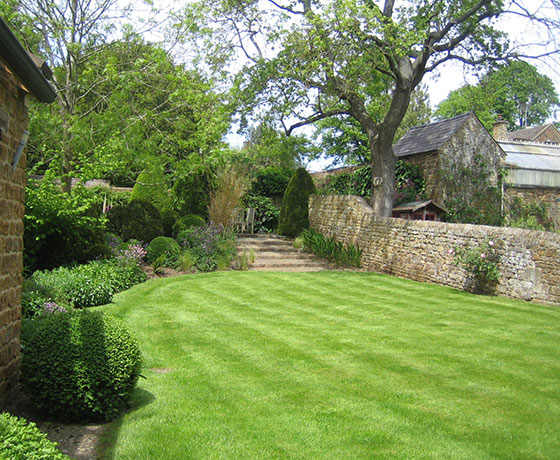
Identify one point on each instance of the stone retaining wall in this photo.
(13, 121)
(419, 250)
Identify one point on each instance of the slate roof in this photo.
(429, 138)
(416, 205)
(528, 134)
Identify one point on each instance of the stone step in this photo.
(273, 252)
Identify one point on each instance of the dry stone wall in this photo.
(13, 122)
(419, 250)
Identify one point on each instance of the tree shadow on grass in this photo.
(105, 446)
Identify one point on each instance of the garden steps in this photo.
(277, 253)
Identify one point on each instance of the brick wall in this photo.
(13, 122)
(417, 250)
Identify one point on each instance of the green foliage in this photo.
(271, 181)
(294, 214)
(480, 262)
(169, 218)
(266, 213)
(191, 193)
(471, 196)
(138, 220)
(187, 222)
(409, 182)
(517, 91)
(346, 255)
(166, 247)
(532, 216)
(85, 285)
(207, 245)
(79, 366)
(61, 228)
(151, 186)
(22, 440)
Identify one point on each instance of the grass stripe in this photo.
(336, 365)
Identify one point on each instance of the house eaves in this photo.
(16, 58)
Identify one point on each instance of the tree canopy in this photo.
(517, 91)
(309, 61)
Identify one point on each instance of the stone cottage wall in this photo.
(419, 250)
(545, 195)
(13, 122)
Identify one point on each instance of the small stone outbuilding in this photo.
(20, 76)
(440, 147)
(533, 165)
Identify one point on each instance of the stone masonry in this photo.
(13, 122)
(419, 250)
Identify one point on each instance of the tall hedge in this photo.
(139, 220)
(294, 214)
(151, 186)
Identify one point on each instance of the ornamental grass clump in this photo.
(79, 366)
(480, 262)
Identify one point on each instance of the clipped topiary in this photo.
(151, 186)
(169, 218)
(271, 181)
(22, 440)
(187, 222)
(139, 220)
(294, 214)
(79, 366)
(191, 193)
(165, 248)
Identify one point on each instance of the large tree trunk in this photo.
(383, 159)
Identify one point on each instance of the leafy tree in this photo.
(343, 139)
(267, 146)
(517, 91)
(308, 61)
(140, 109)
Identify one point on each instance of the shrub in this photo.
(271, 181)
(151, 186)
(480, 262)
(82, 286)
(166, 248)
(22, 440)
(191, 193)
(187, 222)
(266, 214)
(294, 214)
(168, 219)
(78, 366)
(207, 245)
(138, 220)
(60, 228)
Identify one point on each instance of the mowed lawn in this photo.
(336, 365)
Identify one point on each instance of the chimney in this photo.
(499, 128)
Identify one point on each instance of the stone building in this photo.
(20, 76)
(533, 165)
(443, 147)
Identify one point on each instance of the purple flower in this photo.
(483, 255)
(51, 307)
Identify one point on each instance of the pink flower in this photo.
(450, 251)
(482, 256)
(490, 243)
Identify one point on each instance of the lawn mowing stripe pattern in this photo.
(336, 365)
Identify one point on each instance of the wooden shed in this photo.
(419, 210)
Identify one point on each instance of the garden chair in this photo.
(250, 220)
(239, 223)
